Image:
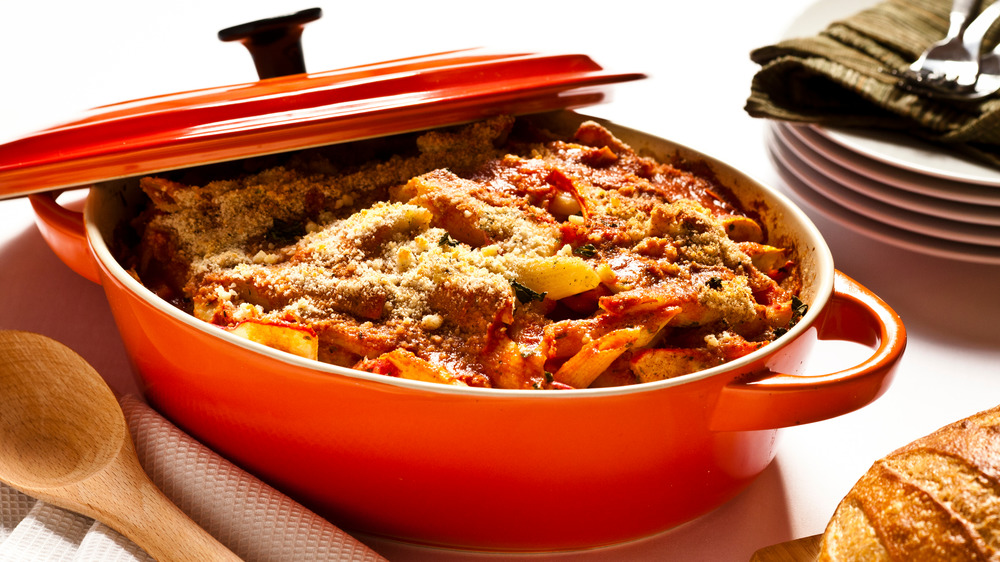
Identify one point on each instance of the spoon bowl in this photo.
(46, 446)
(64, 440)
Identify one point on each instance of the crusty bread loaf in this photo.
(937, 498)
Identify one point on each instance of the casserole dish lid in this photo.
(279, 113)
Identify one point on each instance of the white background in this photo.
(58, 61)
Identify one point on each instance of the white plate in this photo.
(875, 210)
(880, 231)
(896, 177)
(909, 153)
(895, 149)
(931, 206)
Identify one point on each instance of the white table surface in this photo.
(57, 62)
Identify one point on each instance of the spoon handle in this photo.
(123, 497)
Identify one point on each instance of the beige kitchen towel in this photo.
(848, 75)
(254, 520)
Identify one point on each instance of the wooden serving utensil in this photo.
(64, 440)
(805, 549)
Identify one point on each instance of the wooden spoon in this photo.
(64, 440)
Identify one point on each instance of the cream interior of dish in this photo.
(484, 255)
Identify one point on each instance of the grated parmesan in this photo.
(461, 251)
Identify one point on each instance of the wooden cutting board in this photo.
(800, 550)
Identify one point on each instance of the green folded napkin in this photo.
(847, 76)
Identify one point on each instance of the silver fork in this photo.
(952, 59)
(973, 84)
(986, 85)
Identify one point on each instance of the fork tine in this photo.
(951, 67)
(950, 57)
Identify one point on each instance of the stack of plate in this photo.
(893, 188)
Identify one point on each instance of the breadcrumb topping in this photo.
(466, 252)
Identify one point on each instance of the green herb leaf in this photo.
(799, 308)
(447, 240)
(282, 231)
(587, 251)
(526, 295)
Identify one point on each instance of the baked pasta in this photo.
(487, 255)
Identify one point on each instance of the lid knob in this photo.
(274, 43)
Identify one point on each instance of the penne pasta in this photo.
(292, 339)
(557, 277)
(742, 229)
(404, 364)
(595, 357)
(478, 257)
(765, 258)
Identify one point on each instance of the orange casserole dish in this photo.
(458, 464)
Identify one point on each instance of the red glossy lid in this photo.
(297, 111)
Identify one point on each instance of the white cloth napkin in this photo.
(254, 520)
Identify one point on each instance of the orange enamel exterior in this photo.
(466, 470)
(494, 469)
(298, 111)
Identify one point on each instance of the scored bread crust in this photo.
(937, 498)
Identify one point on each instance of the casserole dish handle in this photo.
(64, 231)
(770, 400)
